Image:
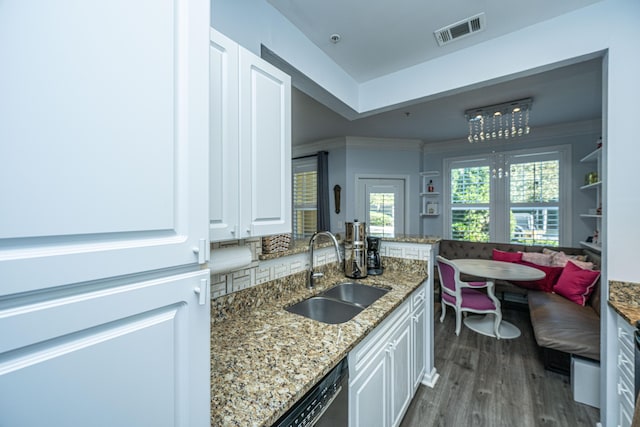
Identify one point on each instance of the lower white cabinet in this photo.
(387, 366)
(625, 373)
(418, 338)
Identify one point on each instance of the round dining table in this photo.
(495, 270)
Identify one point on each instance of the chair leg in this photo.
(443, 309)
(496, 325)
(458, 322)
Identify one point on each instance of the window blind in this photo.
(305, 197)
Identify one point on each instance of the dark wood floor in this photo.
(489, 382)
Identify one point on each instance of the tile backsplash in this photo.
(266, 270)
(262, 271)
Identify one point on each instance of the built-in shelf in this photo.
(595, 193)
(430, 199)
(591, 157)
(592, 246)
(590, 186)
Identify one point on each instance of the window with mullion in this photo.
(508, 197)
(470, 201)
(534, 202)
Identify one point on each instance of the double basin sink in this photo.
(338, 304)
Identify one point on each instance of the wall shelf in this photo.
(430, 203)
(592, 246)
(594, 157)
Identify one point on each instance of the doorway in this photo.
(381, 202)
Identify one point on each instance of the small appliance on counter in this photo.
(355, 250)
(374, 263)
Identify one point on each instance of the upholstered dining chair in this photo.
(465, 296)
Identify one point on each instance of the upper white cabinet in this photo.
(250, 157)
(104, 135)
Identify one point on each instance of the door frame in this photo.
(360, 199)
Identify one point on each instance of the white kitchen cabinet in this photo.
(400, 361)
(418, 338)
(625, 372)
(369, 393)
(381, 369)
(104, 311)
(250, 144)
(124, 355)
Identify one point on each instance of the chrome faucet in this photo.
(312, 276)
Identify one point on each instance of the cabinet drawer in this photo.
(418, 298)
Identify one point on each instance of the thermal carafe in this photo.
(355, 250)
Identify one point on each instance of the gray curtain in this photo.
(323, 191)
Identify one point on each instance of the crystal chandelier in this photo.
(500, 121)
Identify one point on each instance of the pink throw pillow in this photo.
(506, 256)
(537, 258)
(545, 284)
(560, 259)
(582, 258)
(576, 284)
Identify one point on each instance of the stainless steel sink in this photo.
(338, 304)
(355, 293)
(325, 310)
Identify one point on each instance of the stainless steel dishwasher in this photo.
(325, 405)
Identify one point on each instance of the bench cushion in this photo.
(563, 325)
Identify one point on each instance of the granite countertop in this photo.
(624, 297)
(263, 358)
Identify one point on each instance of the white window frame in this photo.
(500, 202)
(360, 211)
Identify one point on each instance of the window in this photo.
(470, 202)
(305, 197)
(534, 201)
(508, 197)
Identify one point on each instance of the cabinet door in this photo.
(128, 355)
(400, 360)
(418, 336)
(265, 147)
(224, 204)
(368, 394)
(104, 189)
(104, 140)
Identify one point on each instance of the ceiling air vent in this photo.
(460, 29)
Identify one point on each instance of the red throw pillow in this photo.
(576, 284)
(544, 284)
(506, 256)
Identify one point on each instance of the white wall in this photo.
(350, 157)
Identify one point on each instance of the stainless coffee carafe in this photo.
(355, 250)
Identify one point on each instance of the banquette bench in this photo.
(561, 327)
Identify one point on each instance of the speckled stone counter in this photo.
(263, 358)
(407, 238)
(624, 297)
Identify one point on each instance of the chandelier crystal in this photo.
(500, 121)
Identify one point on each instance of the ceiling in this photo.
(379, 37)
